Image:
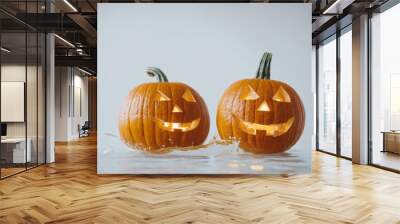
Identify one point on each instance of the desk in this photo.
(391, 141)
(16, 147)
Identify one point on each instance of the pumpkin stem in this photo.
(153, 71)
(264, 70)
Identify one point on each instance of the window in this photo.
(327, 96)
(335, 74)
(385, 89)
(346, 93)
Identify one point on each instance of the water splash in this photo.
(217, 156)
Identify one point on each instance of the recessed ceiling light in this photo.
(5, 50)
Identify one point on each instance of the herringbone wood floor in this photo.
(70, 191)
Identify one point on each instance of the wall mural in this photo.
(173, 97)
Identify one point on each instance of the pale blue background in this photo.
(207, 46)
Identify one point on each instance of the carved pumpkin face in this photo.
(264, 103)
(163, 115)
(266, 116)
(175, 119)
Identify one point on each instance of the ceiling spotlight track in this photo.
(84, 71)
(70, 6)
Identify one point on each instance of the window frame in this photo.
(380, 9)
(334, 37)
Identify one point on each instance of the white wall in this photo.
(79, 117)
(70, 83)
(61, 103)
(9, 73)
(15, 72)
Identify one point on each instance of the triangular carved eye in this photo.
(161, 96)
(248, 93)
(188, 96)
(281, 96)
(263, 107)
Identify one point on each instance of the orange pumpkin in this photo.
(266, 116)
(162, 115)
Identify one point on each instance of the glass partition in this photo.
(14, 153)
(22, 77)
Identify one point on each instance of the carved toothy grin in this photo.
(273, 130)
(172, 126)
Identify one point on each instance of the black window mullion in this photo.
(26, 86)
(317, 95)
(338, 98)
(45, 94)
(369, 90)
(0, 98)
(37, 90)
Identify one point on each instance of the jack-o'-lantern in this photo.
(265, 116)
(163, 115)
